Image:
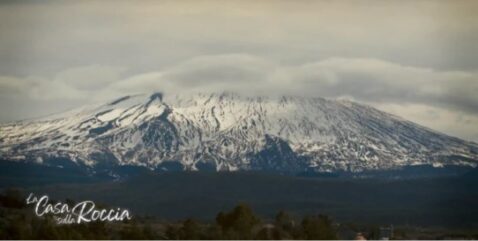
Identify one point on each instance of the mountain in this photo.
(227, 132)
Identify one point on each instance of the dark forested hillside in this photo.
(442, 201)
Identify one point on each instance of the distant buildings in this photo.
(386, 233)
(360, 236)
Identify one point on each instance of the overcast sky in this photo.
(416, 59)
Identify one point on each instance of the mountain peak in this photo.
(157, 95)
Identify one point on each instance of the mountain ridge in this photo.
(227, 132)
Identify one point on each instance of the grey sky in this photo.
(416, 59)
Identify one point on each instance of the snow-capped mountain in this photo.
(226, 131)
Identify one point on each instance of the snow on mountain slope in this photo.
(226, 131)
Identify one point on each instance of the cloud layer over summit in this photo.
(416, 59)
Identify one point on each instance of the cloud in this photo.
(374, 80)
(212, 73)
(74, 83)
(48, 37)
(363, 79)
(405, 90)
(366, 80)
(90, 77)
